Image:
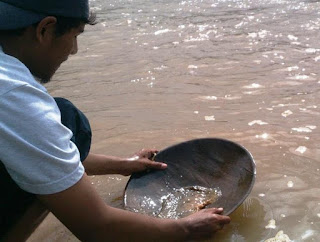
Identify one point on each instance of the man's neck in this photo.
(11, 46)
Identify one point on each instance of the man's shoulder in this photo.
(14, 74)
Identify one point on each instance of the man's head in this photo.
(42, 34)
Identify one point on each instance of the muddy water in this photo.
(154, 73)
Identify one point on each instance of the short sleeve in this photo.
(35, 146)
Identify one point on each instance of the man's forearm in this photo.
(102, 164)
(96, 164)
(81, 209)
(122, 225)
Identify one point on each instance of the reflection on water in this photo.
(155, 73)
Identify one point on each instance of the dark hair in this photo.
(64, 24)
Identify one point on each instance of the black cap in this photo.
(15, 14)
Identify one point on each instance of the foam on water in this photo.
(286, 113)
(209, 118)
(301, 149)
(259, 122)
(280, 237)
(271, 224)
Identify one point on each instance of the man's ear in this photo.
(45, 30)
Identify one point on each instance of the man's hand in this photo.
(102, 164)
(203, 224)
(141, 161)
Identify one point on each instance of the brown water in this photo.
(154, 73)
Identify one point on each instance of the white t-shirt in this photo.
(35, 146)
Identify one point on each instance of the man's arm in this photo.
(102, 164)
(82, 210)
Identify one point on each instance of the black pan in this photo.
(209, 162)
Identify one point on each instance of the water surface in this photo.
(155, 73)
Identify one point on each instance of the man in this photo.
(43, 140)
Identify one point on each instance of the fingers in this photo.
(152, 157)
(214, 210)
(218, 210)
(147, 153)
(225, 219)
(205, 223)
(222, 218)
(153, 151)
(155, 165)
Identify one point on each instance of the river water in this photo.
(155, 73)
